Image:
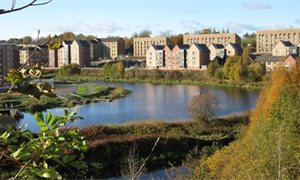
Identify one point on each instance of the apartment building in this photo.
(266, 40)
(197, 56)
(55, 57)
(207, 39)
(95, 49)
(113, 47)
(176, 56)
(284, 48)
(9, 58)
(217, 51)
(155, 56)
(141, 45)
(41, 55)
(80, 53)
(233, 49)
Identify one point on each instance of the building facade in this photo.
(197, 56)
(266, 40)
(112, 47)
(217, 51)
(95, 49)
(41, 55)
(224, 39)
(233, 49)
(284, 48)
(80, 53)
(155, 57)
(141, 45)
(9, 58)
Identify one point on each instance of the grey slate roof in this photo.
(286, 43)
(268, 58)
(237, 47)
(183, 46)
(218, 46)
(158, 47)
(202, 47)
(83, 43)
(170, 46)
(68, 42)
(110, 39)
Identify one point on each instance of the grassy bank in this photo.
(210, 83)
(109, 145)
(86, 93)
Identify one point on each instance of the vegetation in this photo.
(269, 148)
(203, 107)
(238, 68)
(47, 154)
(68, 70)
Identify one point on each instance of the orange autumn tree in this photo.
(270, 147)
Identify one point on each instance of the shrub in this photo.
(202, 107)
(70, 69)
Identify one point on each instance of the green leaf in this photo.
(5, 135)
(61, 139)
(66, 112)
(16, 153)
(48, 117)
(51, 174)
(39, 119)
(44, 128)
(53, 120)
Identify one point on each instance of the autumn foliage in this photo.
(270, 147)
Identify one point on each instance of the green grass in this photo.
(82, 89)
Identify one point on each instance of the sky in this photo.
(104, 18)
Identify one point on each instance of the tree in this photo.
(177, 39)
(68, 36)
(212, 67)
(203, 107)
(26, 39)
(13, 7)
(143, 33)
(269, 148)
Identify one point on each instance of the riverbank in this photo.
(69, 99)
(110, 145)
(212, 83)
(184, 77)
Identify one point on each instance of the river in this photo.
(151, 102)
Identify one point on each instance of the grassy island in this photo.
(86, 93)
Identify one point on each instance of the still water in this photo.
(150, 101)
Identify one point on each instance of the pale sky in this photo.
(124, 17)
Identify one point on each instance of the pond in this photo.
(151, 102)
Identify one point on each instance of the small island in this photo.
(83, 94)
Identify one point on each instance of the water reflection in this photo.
(150, 101)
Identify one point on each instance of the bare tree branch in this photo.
(32, 3)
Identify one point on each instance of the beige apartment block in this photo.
(233, 49)
(197, 56)
(80, 53)
(113, 47)
(217, 51)
(155, 56)
(266, 40)
(224, 39)
(284, 48)
(41, 56)
(141, 45)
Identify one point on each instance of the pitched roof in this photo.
(268, 58)
(110, 39)
(202, 47)
(236, 46)
(170, 46)
(83, 43)
(158, 47)
(286, 43)
(68, 42)
(92, 41)
(183, 46)
(218, 46)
